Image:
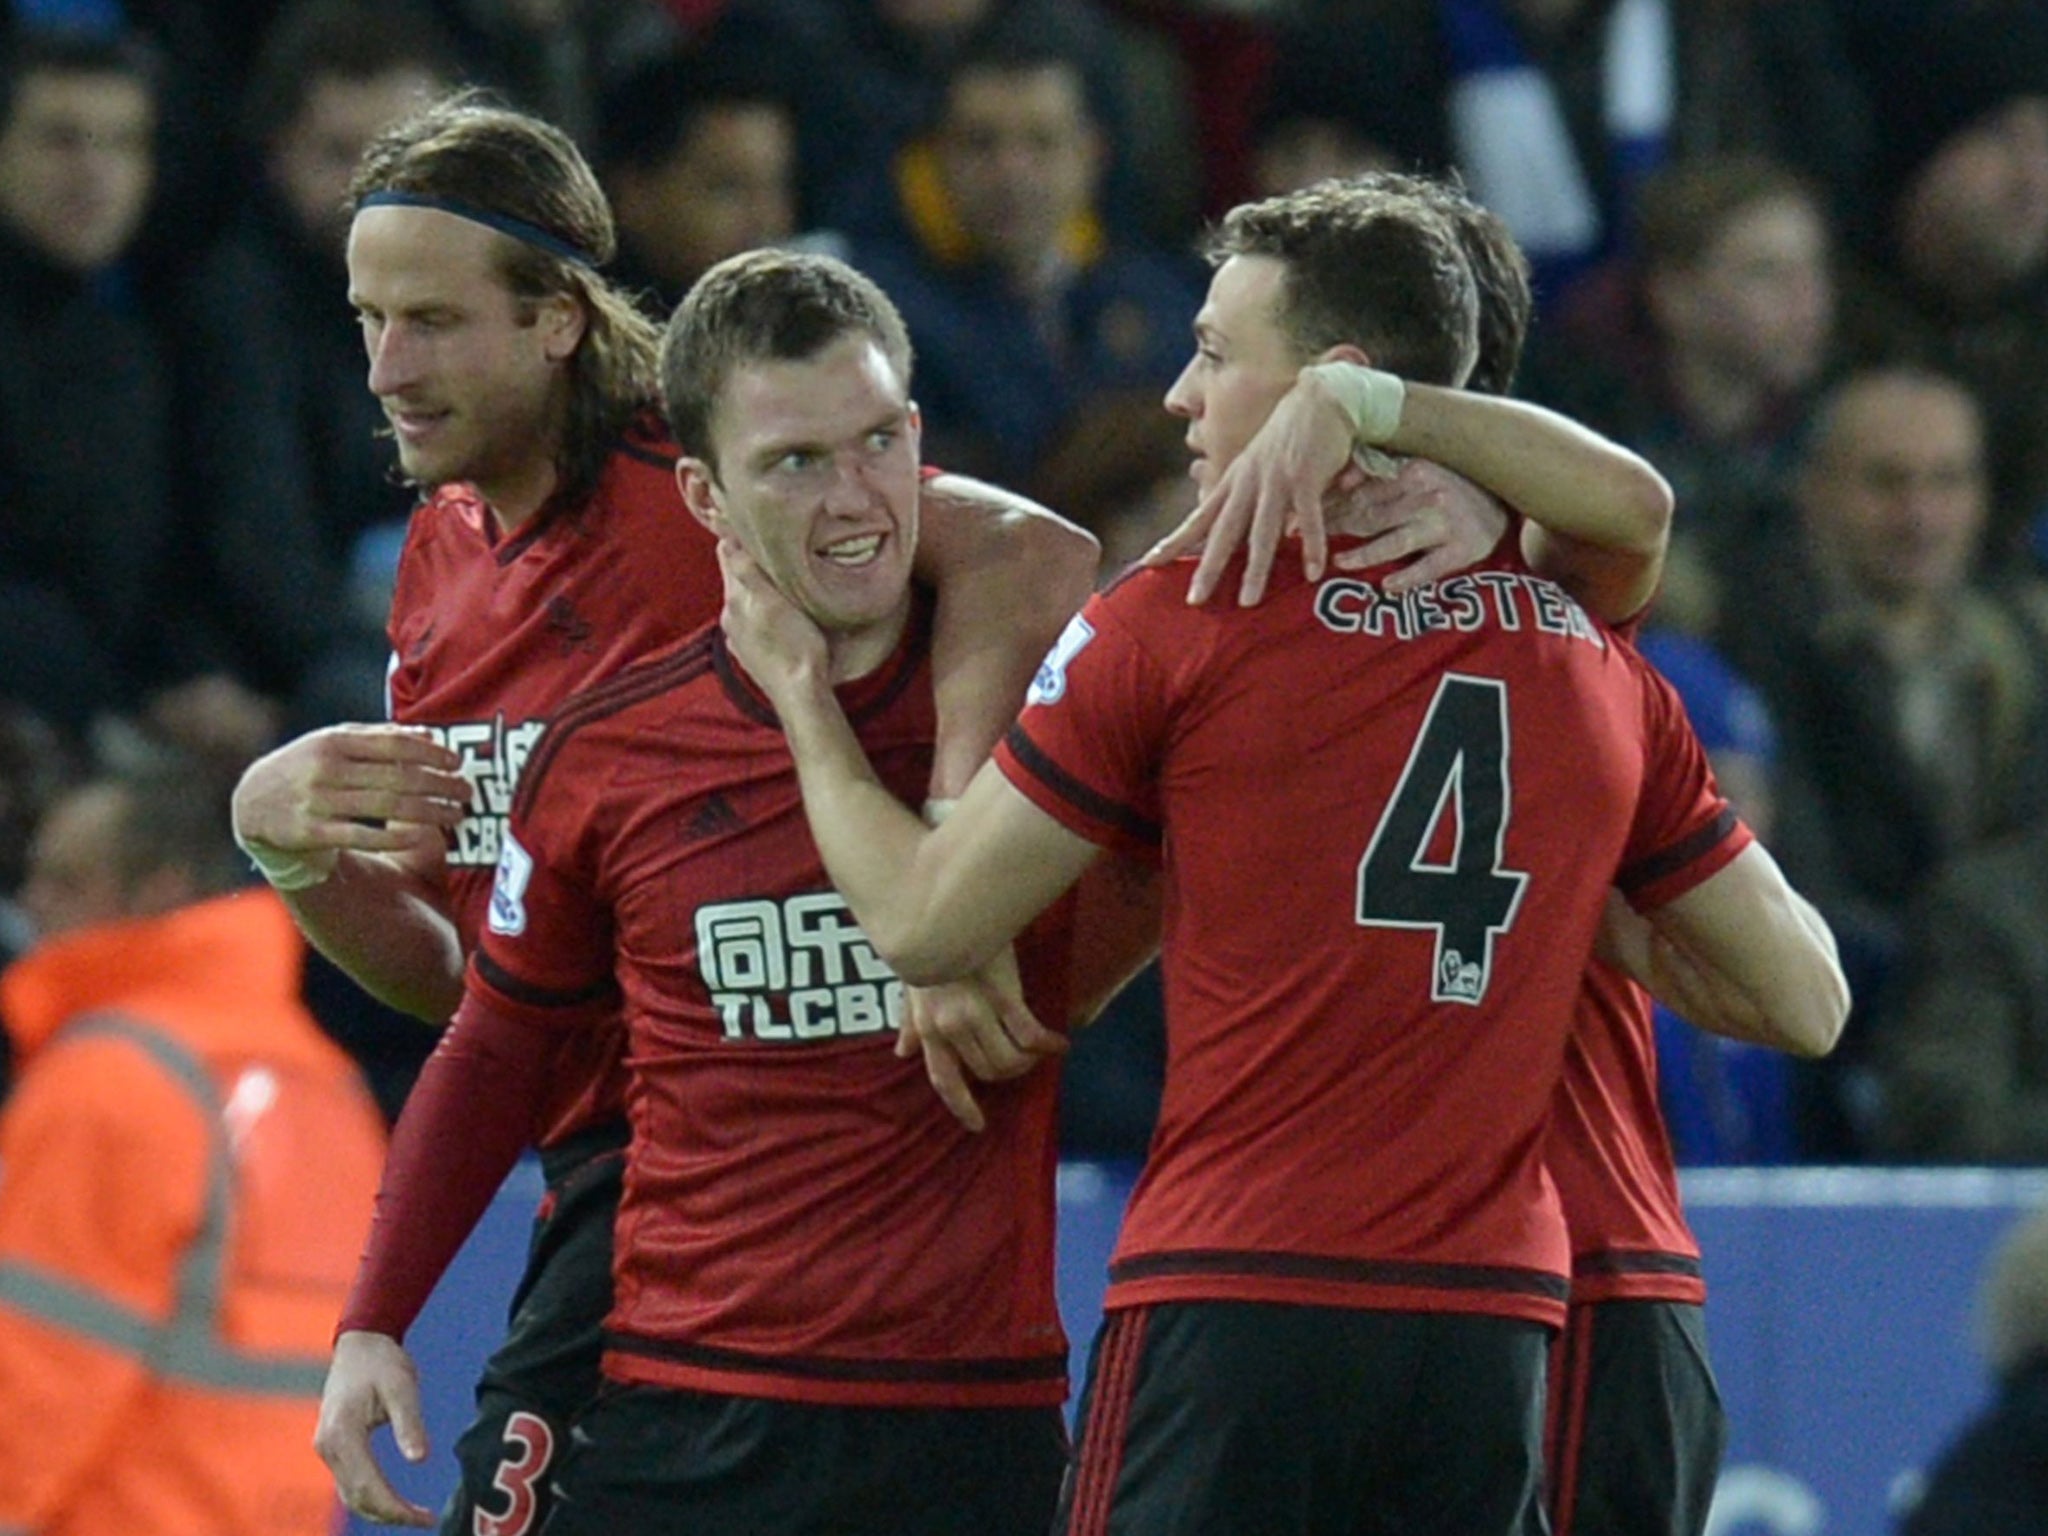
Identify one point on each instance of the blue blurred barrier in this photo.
(1840, 1304)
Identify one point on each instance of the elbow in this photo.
(1813, 1024)
(1064, 561)
(1653, 504)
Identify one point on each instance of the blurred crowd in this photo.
(1794, 251)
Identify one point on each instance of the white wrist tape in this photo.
(288, 871)
(1371, 399)
(936, 811)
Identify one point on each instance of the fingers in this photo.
(1024, 1030)
(311, 793)
(1187, 537)
(1315, 536)
(909, 1033)
(1434, 566)
(394, 744)
(943, 1070)
(1226, 532)
(1260, 547)
(408, 1424)
(993, 1035)
(343, 1441)
(1385, 548)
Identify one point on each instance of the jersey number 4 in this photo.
(1434, 861)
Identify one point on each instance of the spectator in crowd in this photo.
(1321, 113)
(696, 148)
(293, 480)
(1702, 348)
(554, 56)
(867, 77)
(1557, 111)
(1993, 1481)
(186, 1171)
(1000, 252)
(1961, 1049)
(88, 531)
(1911, 700)
(1961, 275)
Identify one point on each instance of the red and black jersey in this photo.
(802, 1218)
(1388, 827)
(489, 634)
(1611, 1158)
(1610, 1153)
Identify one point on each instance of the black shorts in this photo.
(546, 1371)
(650, 1461)
(1636, 1430)
(1252, 1419)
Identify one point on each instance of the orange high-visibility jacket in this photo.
(187, 1166)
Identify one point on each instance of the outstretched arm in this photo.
(348, 823)
(1599, 515)
(1009, 574)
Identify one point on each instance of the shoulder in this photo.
(601, 721)
(102, 1087)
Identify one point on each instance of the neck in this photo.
(517, 491)
(853, 653)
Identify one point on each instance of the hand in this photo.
(371, 1381)
(1275, 484)
(979, 1026)
(770, 636)
(372, 788)
(1431, 517)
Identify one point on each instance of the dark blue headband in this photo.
(504, 223)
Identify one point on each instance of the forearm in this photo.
(462, 1130)
(1748, 957)
(1009, 574)
(1599, 515)
(390, 930)
(869, 839)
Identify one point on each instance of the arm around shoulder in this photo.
(1599, 515)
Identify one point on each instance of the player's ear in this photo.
(1344, 352)
(562, 322)
(699, 485)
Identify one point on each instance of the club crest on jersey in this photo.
(1050, 685)
(793, 970)
(508, 891)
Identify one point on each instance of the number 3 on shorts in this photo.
(1459, 763)
(518, 1475)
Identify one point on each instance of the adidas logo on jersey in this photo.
(714, 817)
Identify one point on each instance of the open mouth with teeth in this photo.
(857, 551)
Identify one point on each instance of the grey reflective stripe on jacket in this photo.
(187, 1347)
